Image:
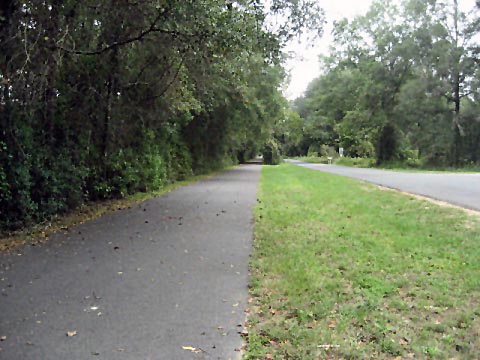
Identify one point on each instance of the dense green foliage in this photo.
(401, 84)
(271, 153)
(100, 99)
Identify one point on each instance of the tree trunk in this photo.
(111, 87)
(6, 12)
(457, 129)
(51, 64)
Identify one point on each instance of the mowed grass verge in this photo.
(344, 270)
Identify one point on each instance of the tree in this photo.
(104, 99)
(399, 76)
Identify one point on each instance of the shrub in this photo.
(271, 153)
(388, 143)
(328, 151)
(179, 162)
(313, 151)
(355, 162)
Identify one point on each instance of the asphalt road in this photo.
(140, 283)
(461, 189)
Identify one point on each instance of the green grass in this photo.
(394, 166)
(344, 270)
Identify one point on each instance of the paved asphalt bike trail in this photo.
(140, 283)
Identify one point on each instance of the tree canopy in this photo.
(401, 84)
(101, 99)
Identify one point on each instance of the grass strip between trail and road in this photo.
(403, 166)
(343, 269)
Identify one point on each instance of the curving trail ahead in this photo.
(461, 189)
(140, 283)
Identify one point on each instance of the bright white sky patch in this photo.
(304, 65)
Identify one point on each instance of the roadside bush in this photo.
(154, 174)
(387, 145)
(355, 162)
(435, 159)
(179, 164)
(123, 173)
(313, 150)
(326, 151)
(412, 158)
(271, 153)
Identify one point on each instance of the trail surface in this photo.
(165, 279)
(461, 189)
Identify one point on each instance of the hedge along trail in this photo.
(102, 101)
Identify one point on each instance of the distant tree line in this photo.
(104, 98)
(400, 84)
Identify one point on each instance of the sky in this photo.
(304, 65)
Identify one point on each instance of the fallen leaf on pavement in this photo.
(192, 349)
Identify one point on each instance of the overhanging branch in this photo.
(151, 29)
